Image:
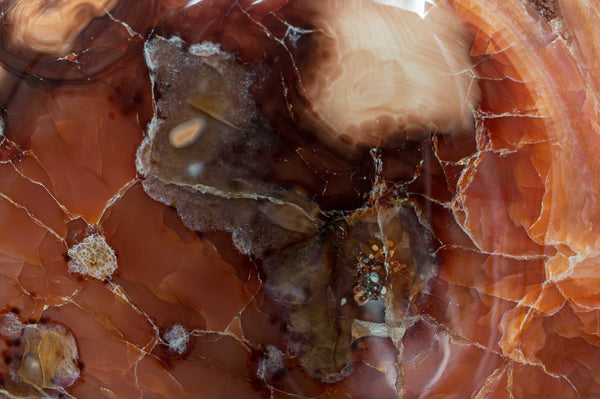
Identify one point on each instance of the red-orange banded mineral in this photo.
(299, 199)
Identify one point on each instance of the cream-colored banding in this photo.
(51, 26)
(186, 133)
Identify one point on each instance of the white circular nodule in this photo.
(374, 277)
(93, 257)
(10, 326)
(177, 338)
(195, 169)
(270, 364)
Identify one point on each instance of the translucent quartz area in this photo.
(275, 199)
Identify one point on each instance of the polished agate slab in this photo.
(299, 199)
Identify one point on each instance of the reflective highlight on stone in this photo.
(273, 253)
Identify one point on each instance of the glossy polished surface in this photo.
(300, 199)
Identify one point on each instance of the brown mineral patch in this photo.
(550, 9)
